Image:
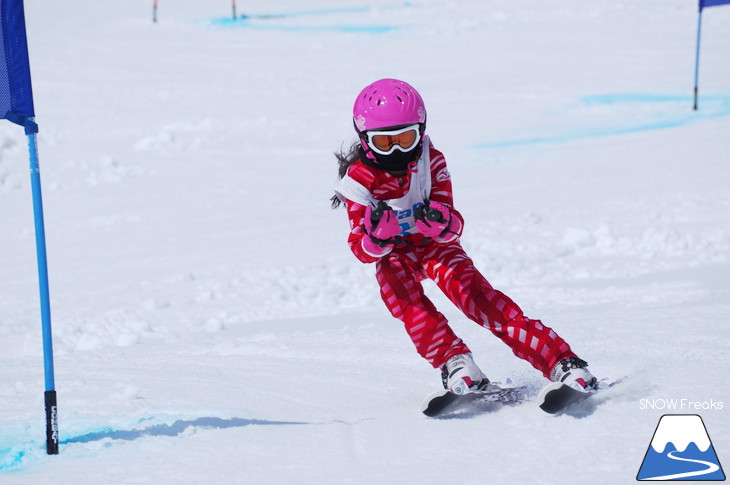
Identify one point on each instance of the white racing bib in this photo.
(406, 206)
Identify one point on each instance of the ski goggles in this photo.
(386, 142)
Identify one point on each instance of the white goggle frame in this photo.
(373, 133)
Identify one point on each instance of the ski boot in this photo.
(574, 373)
(460, 375)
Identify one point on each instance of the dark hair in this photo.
(344, 160)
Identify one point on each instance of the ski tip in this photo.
(429, 407)
(557, 396)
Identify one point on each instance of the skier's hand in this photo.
(381, 224)
(436, 221)
(381, 228)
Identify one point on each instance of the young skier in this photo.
(397, 191)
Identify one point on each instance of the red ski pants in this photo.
(399, 275)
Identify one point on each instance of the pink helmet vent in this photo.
(386, 103)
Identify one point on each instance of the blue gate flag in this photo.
(712, 3)
(16, 105)
(16, 93)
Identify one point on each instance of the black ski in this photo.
(443, 402)
(557, 396)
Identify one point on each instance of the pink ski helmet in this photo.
(389, 104)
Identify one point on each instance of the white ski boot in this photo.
(461, 375)
(574, 373)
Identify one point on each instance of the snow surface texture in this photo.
(211, 325)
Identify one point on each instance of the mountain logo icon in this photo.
(680, 450)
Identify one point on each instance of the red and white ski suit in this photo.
(400, 272)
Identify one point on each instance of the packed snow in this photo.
(210, 323)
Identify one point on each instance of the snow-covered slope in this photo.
(211, 325)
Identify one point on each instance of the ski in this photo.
(442, 403)
(554, 399)
(557, 396)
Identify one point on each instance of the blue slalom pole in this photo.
(697, 54)
(40, 239)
